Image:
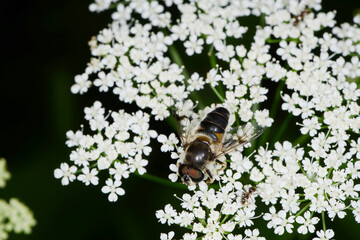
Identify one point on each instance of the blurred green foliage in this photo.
(44, 45)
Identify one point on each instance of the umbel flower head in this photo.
(14, 215)
(305, 167)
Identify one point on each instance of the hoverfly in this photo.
(207, 144)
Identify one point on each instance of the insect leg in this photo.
(211, 178)
(221, 163)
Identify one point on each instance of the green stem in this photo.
(202, 221)
(221, 98)
(114, 5)
(283, 127)
(212, 58)
(213, 64)
(224, 219)
(303, 210)
(175, 56)
(171, 121)
(330, 171)
(277, 97)
(269, 40)
(161, 181)
(303, 171)
(300, 140)
(262, 20)
(255, 142)
(232, 218)
(323, 221)
(273, 110)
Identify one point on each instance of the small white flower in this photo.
(199, 212)
(234, 237)
(141, 145)
(66, 173)
(253, 234)
(230, 79)
(167, 143)
(327, 235)
(256, 175)
(104, 81)
(283, 223)
(356, 211)
(105, 36)
(225, 52)
(310, 125)
(80, 157)
(167, 215)
(137, 163)
(74, 139)
(240, 50)
(114, 189)
(195, 82)
(96, 111)
(89, 177)
(336, 208)
(169, 236)
(81, 85)
(119, 171)
(173, 176)
(185, 219)
(212, 77)
(193, 45)
(103, 163)
(307, 223)
(191, 236)
(263, 119)
(190, 202)
(271, 216)
(198, 227)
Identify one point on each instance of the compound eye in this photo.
(196, 175)
(189, 173)
(183, 169)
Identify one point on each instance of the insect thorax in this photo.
(198, 153)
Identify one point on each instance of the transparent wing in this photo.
(185, 124)
(239, 136)
(179, 124)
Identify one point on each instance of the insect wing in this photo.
(185, 126)
(248, 133)
(240, 136)
(178, 120)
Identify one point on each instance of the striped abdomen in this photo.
(214, 124)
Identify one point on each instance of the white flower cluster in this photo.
(215, 214)
(309, 181)
(14, 216)
(118, 147)
(314, 62)
(132, 58)
(4, 173)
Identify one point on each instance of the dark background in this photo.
(43, 46)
